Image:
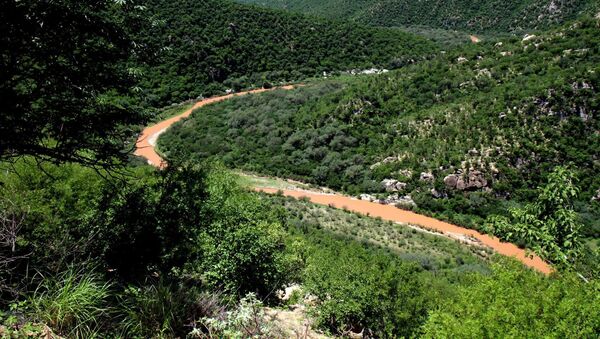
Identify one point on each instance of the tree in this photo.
(549, 225)
(65, 88)
(514, 302)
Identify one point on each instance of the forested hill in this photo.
(463, 136)
(210, 45)
(490, 16)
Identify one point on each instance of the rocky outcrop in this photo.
(405, 173)
(393, 185)
(472, 180)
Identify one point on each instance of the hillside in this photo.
(95, 242)
(463, 137)
(490, 16)
(192, 48)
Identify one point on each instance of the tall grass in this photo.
(73, 303)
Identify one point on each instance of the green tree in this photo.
(65, 87)
(549, 225)
(514, 302)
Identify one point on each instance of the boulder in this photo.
(476, 180)
(395, 199)
(451, 180)
(405, 173)
(473, 180)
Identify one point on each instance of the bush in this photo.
(516, 302)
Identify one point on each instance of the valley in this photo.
(299, 169)
(371, 209)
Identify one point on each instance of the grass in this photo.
(171, 111)
(255, 181)
(431, 251)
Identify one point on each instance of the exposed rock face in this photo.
(428, 177)
(474, 179)
(393, 185)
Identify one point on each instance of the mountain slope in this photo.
(480, 16)
(465, 135)
(208, 46)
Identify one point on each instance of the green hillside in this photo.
(502, 136)
(204, 47)
(490, 16)
(465, 135)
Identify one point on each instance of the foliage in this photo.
(483, 16)
(431, 252)
(432, 117)
(247, 320)
(199, 48)
(66, 92)
(515, 302)
(72, 303)
(190, 225)
(362, 289)
(243, 248)
(549, 225)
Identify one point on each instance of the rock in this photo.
(460, 184)
(405, 173)
(528, 37)
(461, 60)
(389, 160)
(476, 179)
(451, 180)
(367, 197)
(428, 177)
(393, 185)
(473, 152)
(597, 197)
(436, 194)
(286, 293)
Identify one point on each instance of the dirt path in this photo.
(145, 148)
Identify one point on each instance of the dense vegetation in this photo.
(465, 135)
(92, 245)
(89, 256)
(67, 96)
(204, 47)
(432, 252)
(483, 16)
